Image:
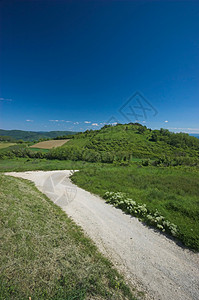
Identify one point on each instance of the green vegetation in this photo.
(122, 143)
(7, 139)
(39, 149)
(140, 210)
(156, 168)
(28, 164)
(134, 140)
(173, 191)
(44, 255)
(33, 135)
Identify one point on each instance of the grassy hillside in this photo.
(124, 142)
(138, 140)
(44, 255)
(33, 135)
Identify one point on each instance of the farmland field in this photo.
(49, 144)
(5, 145)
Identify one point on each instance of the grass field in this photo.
(49, 144)
(28, 164)
(174, 192)
(44, 255)
(5, 145)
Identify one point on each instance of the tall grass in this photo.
(173, 191)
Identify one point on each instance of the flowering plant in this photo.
(130, 206)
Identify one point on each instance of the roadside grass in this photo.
(44, 255)
(173, 191)
(6, 144)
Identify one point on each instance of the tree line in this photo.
(75, 153)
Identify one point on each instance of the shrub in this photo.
(146, 162)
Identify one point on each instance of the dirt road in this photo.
(147, 258)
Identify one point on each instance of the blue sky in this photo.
(72, 65)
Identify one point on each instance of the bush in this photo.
(146, 162)
(166, 161)
(91, 156)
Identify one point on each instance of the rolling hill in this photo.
(137, 141)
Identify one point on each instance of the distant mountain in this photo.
(33, 135)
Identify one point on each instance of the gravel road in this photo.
(148, 259)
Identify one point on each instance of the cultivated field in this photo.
(5, 144)
(49, 144)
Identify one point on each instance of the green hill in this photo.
(33, 135)
(135, 141)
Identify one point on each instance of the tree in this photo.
(154, 137)
(141, 129)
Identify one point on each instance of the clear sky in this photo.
(73, 65)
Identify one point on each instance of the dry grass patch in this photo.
(5, 145)
(49, 144)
